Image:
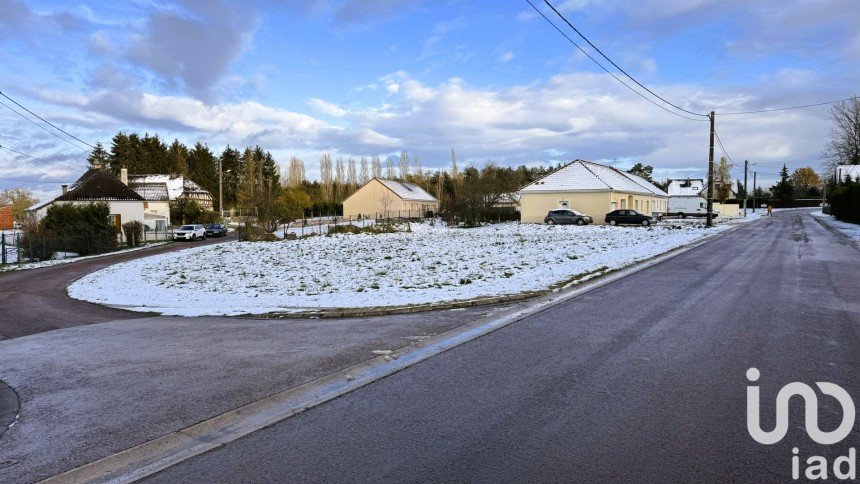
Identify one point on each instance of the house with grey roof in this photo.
(590, 188)
(100, 185)
(381, 197)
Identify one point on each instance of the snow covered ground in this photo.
(852, 231)
(429, 265)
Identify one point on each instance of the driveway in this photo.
(35, 300)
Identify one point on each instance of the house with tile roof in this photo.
(589, 188)
(100, 185)
(381, 197)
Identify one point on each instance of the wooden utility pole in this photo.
(710, 219)
(746, 187)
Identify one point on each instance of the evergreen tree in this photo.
(783, 190)
(98, 157)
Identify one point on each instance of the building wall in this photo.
(153, 211)
(369, 201)
(728, 209)
(127, 210)
(534, 206)
(6, 220)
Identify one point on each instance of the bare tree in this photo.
(377, 167)
(454, 171)
(386, 199)
(404, 164)
(389, 168)
(723, 180)
(351, 176)
(363, 176)
(296, 172)
(843, 147)
(326, 177)
(416, 166)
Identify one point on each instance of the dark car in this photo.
(619, 217)
(216, 230)
(567, 216)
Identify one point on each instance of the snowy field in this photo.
(852, 231)
(429, 265)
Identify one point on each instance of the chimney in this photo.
(65, 188)
(123, 176)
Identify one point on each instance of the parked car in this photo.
(618, 217)
(190, 232)
(216, 230)
(567, 216)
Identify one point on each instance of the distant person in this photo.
(770, 211)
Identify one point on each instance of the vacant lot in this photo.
(430, 264)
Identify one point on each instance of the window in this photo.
(563, 203)
(623, 203)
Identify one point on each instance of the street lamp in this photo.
(221, 188)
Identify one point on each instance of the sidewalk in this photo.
(90, 391)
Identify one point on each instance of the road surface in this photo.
(35, 300)
(642, 380)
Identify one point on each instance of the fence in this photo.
(323, 224)
(17, 248)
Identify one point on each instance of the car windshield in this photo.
(214, 226)
(186, 227)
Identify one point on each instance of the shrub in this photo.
(133, 233)
(82, 229)
(845, 202)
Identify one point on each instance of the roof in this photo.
(407, 191)
(98, 184)
(177, 185)
(676, 187)
(587, 176)
(851, 170)
(154, 192)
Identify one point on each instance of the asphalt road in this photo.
(35, 300)
(642, 380)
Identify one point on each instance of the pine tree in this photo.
(177, 153)
(98, 158)
(783, 190)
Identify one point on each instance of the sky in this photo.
(490, 79)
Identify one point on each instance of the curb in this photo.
(836, 231)
(163, 452)
(10, 406)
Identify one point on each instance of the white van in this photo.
(690, 206)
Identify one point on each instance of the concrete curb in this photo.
(10, 405)
(824, 223)
(156, 455)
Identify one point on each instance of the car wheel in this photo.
(579, 221)
(550, 222)
(646, 223)
(682, 215)
(613, 222)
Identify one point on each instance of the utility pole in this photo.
(754, 188)
(746, 187)
(710, 219)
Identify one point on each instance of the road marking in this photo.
(163, 452)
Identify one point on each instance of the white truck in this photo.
(688, 206)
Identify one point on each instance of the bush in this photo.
(82, 229)
(133, 233)
(845, 202)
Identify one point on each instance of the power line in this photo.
(607, 70)
(723, 148)
(29, 181)
(46, 121)
(771, 110)
(35, 155)
(616, 65)
(46, 171)
(40, 126)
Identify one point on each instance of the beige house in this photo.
(389, 198)
(589, 188)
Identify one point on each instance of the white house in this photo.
(98, 185)
(691, 187)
